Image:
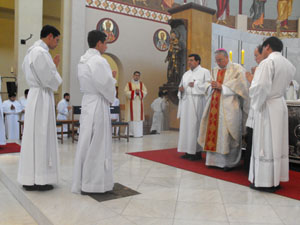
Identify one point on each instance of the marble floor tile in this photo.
(197, 222)
(150, 208)
(149, 221)
(288, 214)
(251, 214)
(163, 194)
(200, 211)
(200, 195)
(244, 197)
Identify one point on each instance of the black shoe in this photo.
(185, 156)
(195, 157)
(46, 187)
(30, 187)
(227, 169)
(153, 132)
(265, 189)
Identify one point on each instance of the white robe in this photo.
(11, 118)
(2, 127)
(93, 160)
(23, 102)
(115, 116)
(292, 91)
(270, 150)
(39, 160)
(62, 114)
(158, 106)
(190, 109)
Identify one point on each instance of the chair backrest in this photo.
(76, 110)
(115, 109)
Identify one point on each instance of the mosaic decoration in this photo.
(274, 33)
(110, 28)
(129, 10)
(161, 39)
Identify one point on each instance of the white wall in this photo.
(135, 50)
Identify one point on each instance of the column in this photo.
(28, 20)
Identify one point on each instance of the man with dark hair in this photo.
(191, 94)
(222, 122)
(135, 92)
(38, 165)
(12, 109)
(23, 102)
(270, 149)
(63, 110)
(93, 160)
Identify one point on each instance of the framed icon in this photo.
(161, 39)
(110, 28)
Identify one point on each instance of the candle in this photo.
(11, 69)
(230, 56)
(243, 57)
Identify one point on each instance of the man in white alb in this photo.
(12, 110)
(192, 102)
(63, 110)
(159, 106)
(93, 160)
(39, 162)
(135, 92)
(270, 148)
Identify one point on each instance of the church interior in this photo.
(139, 36)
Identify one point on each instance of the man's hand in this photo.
(249, 77)
(181, 89)
(137, 91)
(216, 85)
(12, 107)
(191, 84)
(69, 108)
(56, 60)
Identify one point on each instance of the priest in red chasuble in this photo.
(135, 92)
(222, 122)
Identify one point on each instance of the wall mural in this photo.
(161, 39)
(110, 28)
(257, 11)
(161, 5)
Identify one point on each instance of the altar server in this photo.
(93, 160)
(12, 109)
(38, 165)
(270, 149)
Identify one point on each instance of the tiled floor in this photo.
(169, 196)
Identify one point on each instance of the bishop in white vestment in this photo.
(12, 110)
(93, 160)
(39, 162)
(192, 101)
(270, 149)
(135, 92)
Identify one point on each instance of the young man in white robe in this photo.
(270, 150)
(158, 106)
(93, 160)
(135, 92)
(63, 111)
(23, 102)
(222, 124)
(12, 110)
(192, 101)
(2, 127)
(39, 161)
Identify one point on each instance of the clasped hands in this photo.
(216, 85)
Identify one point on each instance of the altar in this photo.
(294, 130)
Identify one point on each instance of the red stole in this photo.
(132, 98)
(213, 118)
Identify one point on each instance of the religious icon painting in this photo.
(161, 39)
(110, 28)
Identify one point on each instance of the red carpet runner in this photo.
(171, 157)
(9, 148)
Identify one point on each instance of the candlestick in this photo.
(230, 56)
(243, 57)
